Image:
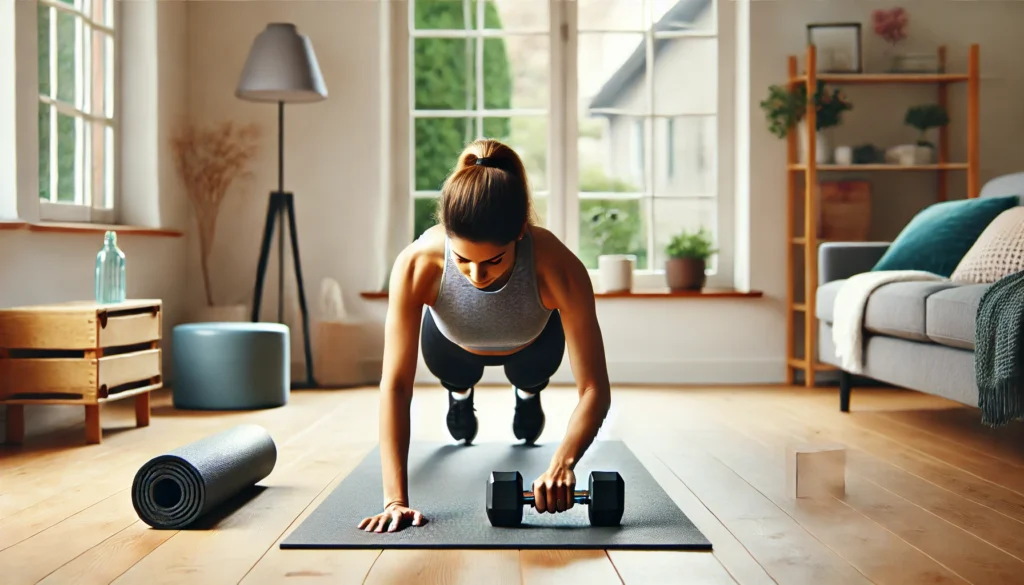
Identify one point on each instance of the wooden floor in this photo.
(932, 495)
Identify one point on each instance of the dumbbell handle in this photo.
(578, 496)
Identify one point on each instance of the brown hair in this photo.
(487, 197)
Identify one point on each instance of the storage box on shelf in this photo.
(807, 242)
(79, 352)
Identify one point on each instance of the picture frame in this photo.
(838, 46)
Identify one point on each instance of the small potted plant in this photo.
(688, 255)
(785, 109)
(924, 118)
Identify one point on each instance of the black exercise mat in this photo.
(176, 489)
(448, 484)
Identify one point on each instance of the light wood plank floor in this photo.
(932, 495)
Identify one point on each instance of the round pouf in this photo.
(230, 366)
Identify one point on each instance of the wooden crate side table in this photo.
(79, 352)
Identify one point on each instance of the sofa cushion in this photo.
(998, 252)
(899, 308)
(939, 236)
(950, 315)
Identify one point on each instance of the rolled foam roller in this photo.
(177, 488)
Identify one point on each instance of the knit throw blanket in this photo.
(998, 349)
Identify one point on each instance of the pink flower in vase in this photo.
(891, 24)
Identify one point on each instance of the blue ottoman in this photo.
(230, 366)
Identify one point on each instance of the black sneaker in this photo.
(462, 423)
(529, 421)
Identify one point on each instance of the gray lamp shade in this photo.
(281, 67)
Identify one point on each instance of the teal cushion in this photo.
(939, 236)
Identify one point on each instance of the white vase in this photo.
(616, 272)
(822, 148)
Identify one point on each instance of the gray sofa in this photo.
(918, 335)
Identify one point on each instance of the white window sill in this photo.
(85, 227)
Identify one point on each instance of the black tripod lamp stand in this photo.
(282, 68)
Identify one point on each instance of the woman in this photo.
(499, 290)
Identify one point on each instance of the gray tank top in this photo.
(499, 320)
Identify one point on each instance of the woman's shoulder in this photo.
(561, 274)
(419, 266)
(549, 251)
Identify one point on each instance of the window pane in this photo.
(425, 214)
(686, 76)
(498, 14)
(516, 72)
(612, 85)
(528, 136)
(610, 15)
(108, 12)
(611, 154)
(66, 50)
(612, 226)
(445, 74)
(43, 30)
(438, 143)
(109, 76)
(108, 172)
(444, 14)
(44, 151)
(100, 11)
(612, 70)
(518, 15)
(101, 62)
(98, 153)
(685, 156)
(66, 138)
(87, 157)
(672, 216)
(674, 16)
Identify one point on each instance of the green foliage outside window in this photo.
(66, 92)
(445, 78)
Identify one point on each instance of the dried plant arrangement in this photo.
(209, 160)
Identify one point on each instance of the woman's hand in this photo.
(393, 514)
(553, 490)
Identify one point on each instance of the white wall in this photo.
(43, 267)
(333, 156)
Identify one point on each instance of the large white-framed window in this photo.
(77, 78)
(615, 106)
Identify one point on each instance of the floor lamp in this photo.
(282, 68)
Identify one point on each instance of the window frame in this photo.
(562, 195)
(79, 211)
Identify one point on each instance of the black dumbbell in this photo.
(605, 498)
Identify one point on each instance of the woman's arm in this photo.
(573, 295)
(401, 344)
(567, 288)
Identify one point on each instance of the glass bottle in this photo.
(110, 272)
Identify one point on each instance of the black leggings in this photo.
(529, 369)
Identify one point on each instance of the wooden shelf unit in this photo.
(808, 240)
(82, 353)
